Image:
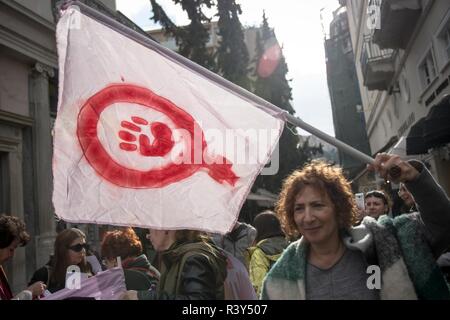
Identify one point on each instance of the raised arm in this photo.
(432, 202)
(434, 207)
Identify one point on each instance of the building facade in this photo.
(28, 99)
(348, 116)
(402, 59)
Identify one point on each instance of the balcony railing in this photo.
(397, 20)
(377, 65)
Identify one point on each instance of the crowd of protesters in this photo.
(328, 260)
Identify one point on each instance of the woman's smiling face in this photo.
(315, 216)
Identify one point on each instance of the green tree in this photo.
(232, 54)
(271, 83)
(269, 78)
(191, 39)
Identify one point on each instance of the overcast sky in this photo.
(298, 28)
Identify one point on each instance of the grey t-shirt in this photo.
(346, 280)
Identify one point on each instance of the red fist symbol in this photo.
(133, 138)
(161, 145)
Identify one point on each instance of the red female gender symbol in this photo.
(117, 174)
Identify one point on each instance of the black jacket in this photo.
(139, 273)
(190, 271)
(43, 274)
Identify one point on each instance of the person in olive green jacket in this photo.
(270, 243)
(192, 267)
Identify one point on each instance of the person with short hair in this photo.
(270, 243)
(139, 273)
(12, 235)
(376, 203)
(332, 258)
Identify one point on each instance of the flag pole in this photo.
(175, 57)
(331, 140)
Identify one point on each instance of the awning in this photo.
(399, 149)
(431, 131)
(437, 124)
(415, 141)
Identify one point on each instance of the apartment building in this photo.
(402, 59)
(345, 97)
(28, 100)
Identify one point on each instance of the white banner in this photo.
(142, 140)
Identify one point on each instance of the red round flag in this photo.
(269, 61)
(102, 162)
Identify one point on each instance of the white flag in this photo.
(142, 140)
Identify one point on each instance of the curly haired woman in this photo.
(139, 273)
(12, 235)
(331, 259)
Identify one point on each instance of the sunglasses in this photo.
(79, 247)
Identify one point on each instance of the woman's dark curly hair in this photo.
(12, 228)
(124, 243)
(325, 178)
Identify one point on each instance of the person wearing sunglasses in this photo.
(70, 249)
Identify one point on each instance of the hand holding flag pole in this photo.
(394, 172)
